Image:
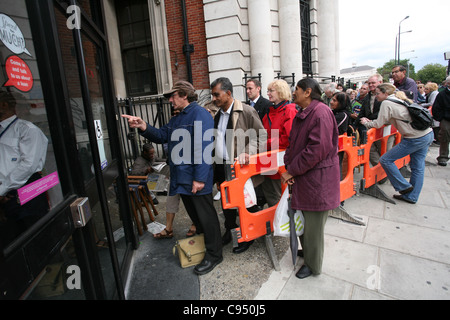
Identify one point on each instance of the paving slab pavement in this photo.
(403, 252)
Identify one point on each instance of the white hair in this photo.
(331, 87)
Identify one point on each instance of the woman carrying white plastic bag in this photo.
(281, 225)
(312, 165)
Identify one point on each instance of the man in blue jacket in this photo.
(189, 136)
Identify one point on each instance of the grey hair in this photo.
(331, 87)
(225, 84)
(378, 76)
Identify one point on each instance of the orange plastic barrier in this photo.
(376, 173)
(348, 145)
(252, 225)
(258, 224)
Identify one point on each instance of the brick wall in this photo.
(197, 37)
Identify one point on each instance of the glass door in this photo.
(93, 121)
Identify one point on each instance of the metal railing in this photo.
(155, 110)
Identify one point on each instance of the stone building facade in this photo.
(201, 40)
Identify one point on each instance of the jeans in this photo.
(417, 149)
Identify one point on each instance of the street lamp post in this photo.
(399, 33)
(447, 57)
(396, 46)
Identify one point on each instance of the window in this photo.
(305, 25)
(137, 49)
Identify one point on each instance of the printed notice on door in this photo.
(101, 146)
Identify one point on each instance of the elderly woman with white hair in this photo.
(328, 92)
(278, 123)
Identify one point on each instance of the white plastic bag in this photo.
(249, 194)
(281, 226)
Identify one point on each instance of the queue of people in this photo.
(193, 180)
(307, 124)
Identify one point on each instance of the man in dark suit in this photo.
(256, 100)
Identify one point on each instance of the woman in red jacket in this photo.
(312, 165)
(278, 123)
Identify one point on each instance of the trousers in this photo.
(444, 140)
(312, 240)
(417, 149)
(204, 216)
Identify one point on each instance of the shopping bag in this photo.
(249, 194)
(281, 226)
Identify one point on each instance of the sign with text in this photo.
(101, 146)
(11, 35)
(19, 74)
(32, 190)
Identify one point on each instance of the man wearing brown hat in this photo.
(191, 172)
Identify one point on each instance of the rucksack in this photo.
(420, 116)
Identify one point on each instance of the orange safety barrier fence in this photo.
(256, 224)
(376, 173)
(348, 145)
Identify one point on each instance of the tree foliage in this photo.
(386, 69)
(433, 72)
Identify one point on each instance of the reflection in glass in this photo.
(23, 149)
(26, 151)
(60, 279)
(100, 211)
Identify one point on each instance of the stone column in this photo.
(260, 34)
(326, 37)
(290, 38)
(337, 37)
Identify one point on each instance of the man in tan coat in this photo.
(239, 134)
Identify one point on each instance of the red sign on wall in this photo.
(19, 74)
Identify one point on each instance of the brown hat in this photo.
(184, 86)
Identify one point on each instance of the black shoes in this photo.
(400, 197)
(206, 266)
(442, 164)
(226, 238)
(406, 190)
(242, 247)
(304, 272)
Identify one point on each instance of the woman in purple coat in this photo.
(312, 165)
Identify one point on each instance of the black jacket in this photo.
(262, 106)
(365, 109)
(441, 106)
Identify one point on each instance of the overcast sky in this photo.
(368, 29)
